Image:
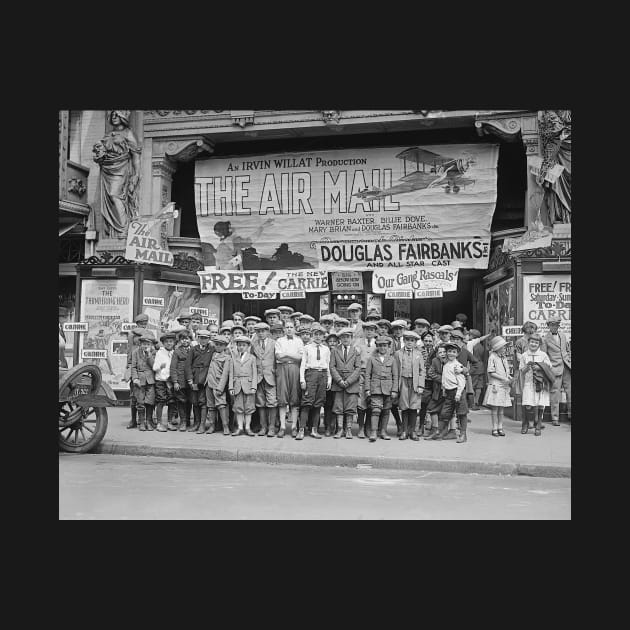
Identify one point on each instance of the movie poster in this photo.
(105, 304)
(358, 209)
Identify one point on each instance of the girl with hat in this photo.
(499, 381)
(536, 376)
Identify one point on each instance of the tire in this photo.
(85, 439)
(67, 378)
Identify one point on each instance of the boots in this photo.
(203, 413)
(212, 418)
(339, 433)
(539, 418)
(161, 422)
(399, 423)
(349, 420)
(383, 421)
(272, 416)
(225, 421)
(183, 417)
(412, 428)
(142, 419)
(262, 416)
(404, 424)
(197, 418)
(294, 412)
(463, 423)
(373, 427)
(133, 423)
(361, 423)
(239, 418)
(150, 422)
(314, 417)
(432, 434)
(527, 420)
(451, 434)
(442, 430)
(172, 412)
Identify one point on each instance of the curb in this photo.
(329, 459)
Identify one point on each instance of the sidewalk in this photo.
(546, 456)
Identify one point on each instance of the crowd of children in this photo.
(249, 377)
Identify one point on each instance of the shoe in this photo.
(294, 432)
(237, 432)
(462, 438)
(348, 433)
(361, 434)
(327, 433)
(250, 433)
(171, 427)
(315, 435)
(226, 431)
(431, 434)
(413, 436)
(339, 434)
(280, 433)
(556, 423)
(372, 437)
(402, 436)
(537, 432)
(501, 433)
(475, 408)
(271, 432)
(451, 435)
(161, 428)
(525, 429)
(495, 433)
(300, 435)
(384, 436)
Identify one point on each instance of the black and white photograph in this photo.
(306, 314)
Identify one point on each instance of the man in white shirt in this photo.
(315, 379)
(289, 351)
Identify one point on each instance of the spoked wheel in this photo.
(81, 430)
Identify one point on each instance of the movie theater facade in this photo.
(418, 213)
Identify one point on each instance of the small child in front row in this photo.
(498, 391)
(243, 381)
(163, 384)
(453, 383)
(216, 385)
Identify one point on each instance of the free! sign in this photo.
(223, 281)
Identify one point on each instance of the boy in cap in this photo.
(263, 348)
(285, 313)
(143, 379)
(249, 322)
(289, 350)
(163, 384)
(339, 323)
(216, 385)
(196, 372)
(354, 314)
(315, 379)
(399, 326)
(243, 377)
(142, 321)
(306, 321)
(272, 316)
(276, 331)
(238, 319)
(195, 325)
(331, 340)
(295, 318)
(411, 371)
(181, 391)
(365, 346)
(421, 325)
(453, 384)
(345, 370)
(185, 318)
(381, 386)
(327, 321)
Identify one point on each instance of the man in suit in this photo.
(556, 345)
(381, 386)
(345, 368)
(196, 372)
(263, 348)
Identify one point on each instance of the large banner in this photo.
(348, 209)
(267, 282)
(499, 307)
(105, 305)
(444, 278)
(546, 295)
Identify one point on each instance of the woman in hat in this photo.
(499, 381)
(536, 376)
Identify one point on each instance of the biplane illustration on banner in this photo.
(356, 209)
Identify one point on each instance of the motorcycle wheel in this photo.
(85, 432)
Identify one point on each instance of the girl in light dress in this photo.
(499, 380)
(536, 374)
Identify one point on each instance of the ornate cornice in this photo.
(182, 149)
(512, 129)
(559, 248)
(107, 258)
(82, 209)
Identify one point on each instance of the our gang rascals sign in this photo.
(350, 209)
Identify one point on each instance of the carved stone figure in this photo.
(118, 155)
(555, 135)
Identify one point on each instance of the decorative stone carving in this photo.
(498, 258)
(187, 150)
(331, 116)
(163, 167)
(179, 112)
(507, 129)
(107, 258)
(76, 186)
(242, 117)
(118, 155)
(187, 262)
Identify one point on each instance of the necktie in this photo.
(318, 356)
(345, 353)
(263, 345)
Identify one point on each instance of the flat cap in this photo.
(457, 332)
(296, 314)
(228, 323)
(448, 344)
(317, 328)
(445, 328)
(261, 326)
(203, 332)
(399, 323)
(196, 316)
(184, 314)
(285, 309)
(411, 333)
(345, 331)
(303, 329)
(238, 327)
(243, 339)
(307, 318)
(272, 311)
(221, 339)
(277, 327)
(496, 343)
(369, 324)
(342, 320)
(169, 334)
(326, 318)
(384, 322)
(251, 318)
(421, 320)
(147, 335)
(331, 334)
(355, 306)
(383, 340)
(141, 317)
(373, 315)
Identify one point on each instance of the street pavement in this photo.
(548, 455)
(140, 487)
